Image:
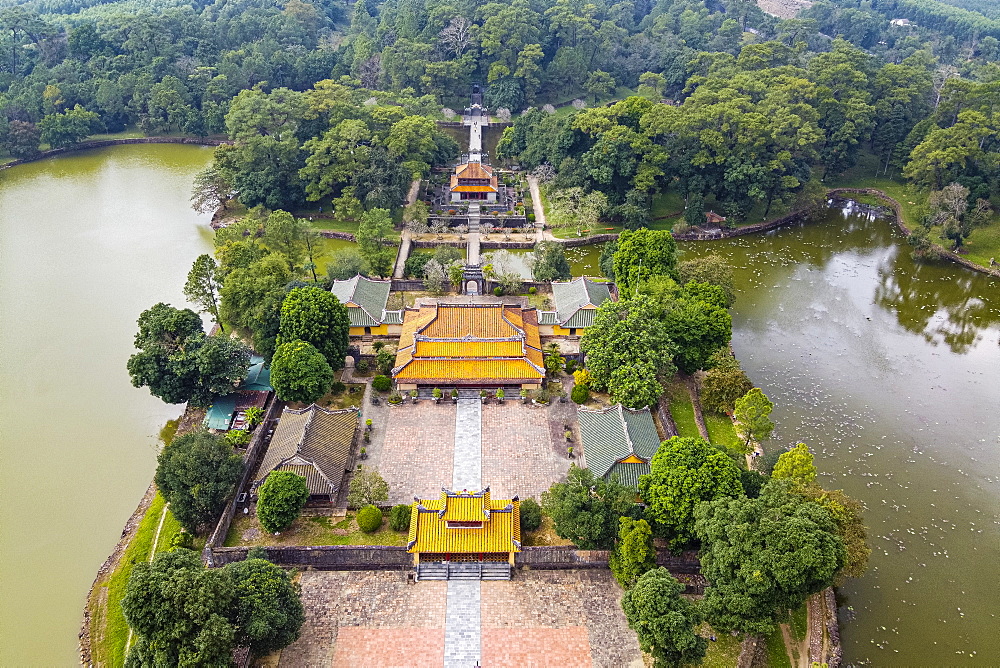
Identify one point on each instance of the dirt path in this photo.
(699, 417)
(798, 652)
(536, 203)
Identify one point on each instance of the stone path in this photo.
(467, 466)
(462, 630)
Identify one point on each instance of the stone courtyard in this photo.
(376, 619)
(523, 448)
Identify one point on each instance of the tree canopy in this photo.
(764, 556)
(685, 472)
(178, 363)
(280, 500)
(300, 373)
(315, 316)
(585, 509)
(665, 622)
(196, 472)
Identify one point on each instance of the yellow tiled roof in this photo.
(452, 342)
(473, 189)
(469, 349)
(452, 370)
(429, 531)
(474, 170)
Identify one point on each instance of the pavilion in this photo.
(469, 345)
(366, 300)
(576, 304)
(474, 181)
(464, 526)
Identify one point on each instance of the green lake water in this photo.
(888, 371)
(87, 242)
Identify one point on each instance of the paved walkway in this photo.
(467, 466)
(463, 623)
(399, 271)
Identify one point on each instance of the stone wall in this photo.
(325, 557)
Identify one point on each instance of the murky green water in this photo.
(585, 260)
(888, 370)
(87, 242)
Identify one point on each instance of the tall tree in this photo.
(585, 509)
(642, 254)
(685, 472)
(314, 315)
(203, 285)
(300, 373)
(628, 350)
(69, 128)
(196, 472)
(179, 611)
(548, 262)
(752, 414)
(267, 610)
(786, 549)
(665, 622)
(377, 249)
(633, 553)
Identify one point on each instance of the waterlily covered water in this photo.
(888, 370)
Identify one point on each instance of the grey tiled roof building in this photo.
(365, 300)
(618, 441)
(576, 303)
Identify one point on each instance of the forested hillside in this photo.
(729, 105)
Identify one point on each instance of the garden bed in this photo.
(311, 530)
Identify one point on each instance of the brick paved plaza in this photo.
(416, 456)
(519, 455)
(523, 451)
(375, 619)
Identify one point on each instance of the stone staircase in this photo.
(448, 570)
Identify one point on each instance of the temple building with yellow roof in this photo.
(474, 181)
(469, 345)
(464, 526)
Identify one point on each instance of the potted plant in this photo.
(364, 453)
(542, 398)
(499, 395)
(524, 396)
(436, 394)
(413, 395)
(482, 396)
(569, 435)
(368, 424)
(569, 452)
(454, 395)
(395, 399)
(367, 436)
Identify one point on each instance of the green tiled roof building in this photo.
(618, 441)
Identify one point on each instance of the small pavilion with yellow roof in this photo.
(469, 345)
(465, 526)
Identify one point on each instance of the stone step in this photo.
(463, 571)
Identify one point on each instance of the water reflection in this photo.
(886, 369)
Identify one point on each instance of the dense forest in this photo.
(713, 99)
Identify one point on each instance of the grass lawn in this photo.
(682, 409)
(312, 530)
(332, 224)
(777, 657)
(721, 430)
(667, 204)
(722, 653)
(109, 630)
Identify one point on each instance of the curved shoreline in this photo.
(101, 143)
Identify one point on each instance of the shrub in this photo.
(395, 398)
(337, 387)
(369, 519)
(399, 518)
(531, 515)
(381, 383)
(498, 291)
(531, 217)
(500, 393)
(437, 393)
(368, 422)
(362, 366)
(182, 539)
(570, 366)
(580, 394)
(237, 438)
(281, 499)
(454, 393)
(532, 290)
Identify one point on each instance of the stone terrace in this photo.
(416, 456)
(541, 618)
(519, 453)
